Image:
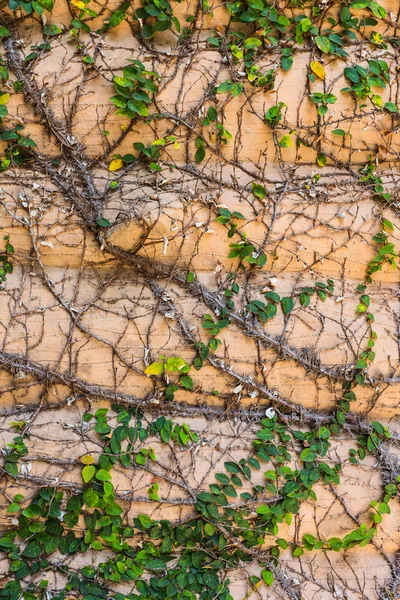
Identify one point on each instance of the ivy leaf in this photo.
(103, 222)
(272, 296)
(391, 107)
(212, 113)
(285, 141)
(323, 43)
(209, 529)
(252, 43)
(286, 63)
(318, 69)
(47, 4)
(88, 473)
(258, 190)
(200, 155)
(11, 468)
(103, 475)
(268, 577)
(186, 381)
(352, 74)
(287, 305)
(307, 455)
(339, 132)
(156, 368)
(271, 310)
(304, 299)
(32, 550)
(175, 363)
(116, 164)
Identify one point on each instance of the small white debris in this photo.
(273, 281)
(339, 299)
(26, 468)
(165, 245)
(20, 375)
(237, 389)
(270, 413)
(199, 224)
(48, 244)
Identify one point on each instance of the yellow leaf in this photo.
(116, 164)
(318, 69)
(4, 98)
(78, 3)
(87, 459)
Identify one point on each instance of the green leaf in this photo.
(287, 305)
(90, 497)
(307, 455)
(252, 43)
(138, 107)
(285, 141)
(305, 299)
(272, 296)
(102, 222)
(270, 310)
(323, 43)
(225, 86)
(378, 427)
(200, 155)
(212, 113)
(88, 473)
(175, 363)
(32, 550)
(286, 63)
(186, 381)
(352, 74)
(209, 529)
(267, 577)
(103, 475)
(155, 368)
(391, 107)
(309, 539)
(11, 468)
(339, 132)
(258, 190)
(47, 4)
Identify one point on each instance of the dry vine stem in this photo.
(199, 300)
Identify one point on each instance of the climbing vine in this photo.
(85, 536)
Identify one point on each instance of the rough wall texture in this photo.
(87, 308)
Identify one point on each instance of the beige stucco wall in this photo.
(78, 326)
